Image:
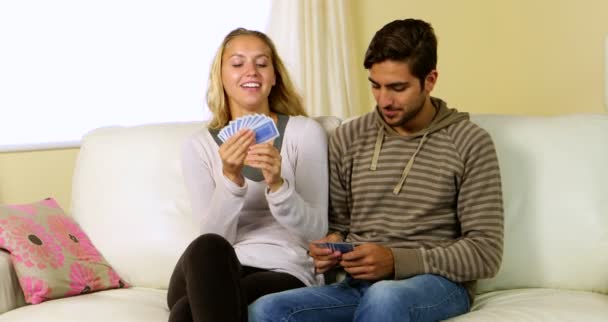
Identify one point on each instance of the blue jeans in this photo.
(419, 298)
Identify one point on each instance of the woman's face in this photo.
(247, 74)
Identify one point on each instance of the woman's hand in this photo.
(233, 153)
(268, 159)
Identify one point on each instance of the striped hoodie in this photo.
(433, 197)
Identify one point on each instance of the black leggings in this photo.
(209, 283)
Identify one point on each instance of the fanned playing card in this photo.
(263, 126)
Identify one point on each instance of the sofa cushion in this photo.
(11, 295)
(124, 305)
(555, 191)
(51, 254)
(129, 195)
(538, 305)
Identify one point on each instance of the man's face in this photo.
(398, 93)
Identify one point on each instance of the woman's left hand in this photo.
(268, 159)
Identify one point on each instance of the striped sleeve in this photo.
(478, 253)
(339, 215)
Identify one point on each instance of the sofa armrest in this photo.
(11, 295)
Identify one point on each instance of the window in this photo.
(69, 66)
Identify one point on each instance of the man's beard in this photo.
(409, 114)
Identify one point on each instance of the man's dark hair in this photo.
(411, 41)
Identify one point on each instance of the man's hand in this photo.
(370, 262)
(324, 258)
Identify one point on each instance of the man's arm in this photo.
(339, 215)
(478, 252)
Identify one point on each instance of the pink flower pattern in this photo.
(30, 244)
(29, 209)
(44, 245)
(83, 280)
(72, 238)
(34, 290)
(115, 280)
(50, 202)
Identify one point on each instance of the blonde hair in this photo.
(283, 96)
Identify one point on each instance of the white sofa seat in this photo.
(538, 305)
(128, 305)
(129, 196)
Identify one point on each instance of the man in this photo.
(416, 187)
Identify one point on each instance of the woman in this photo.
(258, 205)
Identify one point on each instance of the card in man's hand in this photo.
(263, 126)
(341, 247)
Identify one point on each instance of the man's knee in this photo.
(423, 297)
(283, 306)
(268, 308)
(385, 301)
(383, 295)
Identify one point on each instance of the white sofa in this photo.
(128, 195)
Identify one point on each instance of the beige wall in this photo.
(540, 57)
(32, 176)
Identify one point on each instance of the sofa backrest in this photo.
(129, 196)
(555, 192)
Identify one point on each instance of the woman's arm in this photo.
(301, 206)
(216, 201)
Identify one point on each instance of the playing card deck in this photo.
(263, 126)
(341, 247)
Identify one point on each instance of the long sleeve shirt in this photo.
(269, 230)
(433, 197)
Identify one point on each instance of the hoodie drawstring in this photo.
(408, 166)
(443, 118)
(377, 148)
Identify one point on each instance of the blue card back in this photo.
(265, 132)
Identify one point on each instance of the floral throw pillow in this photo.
(52, 256)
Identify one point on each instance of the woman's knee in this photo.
(205, 249)
(180, 310)
(207, 244)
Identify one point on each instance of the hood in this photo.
(444, 117)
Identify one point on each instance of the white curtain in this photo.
(315, 40)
